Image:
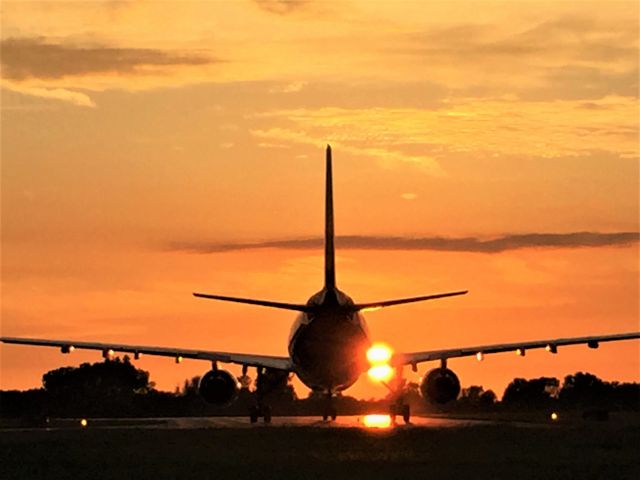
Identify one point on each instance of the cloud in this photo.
(76, 98)
(579, 38)
(27, 58)
(502, 126)
(447, 244)
(281, 7)
(385, 156)
(563, 58)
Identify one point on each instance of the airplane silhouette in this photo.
(327, 347)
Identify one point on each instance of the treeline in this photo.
(116, 388)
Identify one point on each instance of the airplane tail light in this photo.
(479, 356)
(520, 352)
(593, 344)
(551, 348)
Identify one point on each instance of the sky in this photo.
(151, 149)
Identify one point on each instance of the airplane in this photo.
(329, 346)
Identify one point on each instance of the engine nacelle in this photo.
(440, 385)
(218, 387)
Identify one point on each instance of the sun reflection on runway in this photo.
(377, 421)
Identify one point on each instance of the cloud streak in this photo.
(28, 58)
(446, 244)
(281, 7)
(76, 98)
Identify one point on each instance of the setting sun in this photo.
(381, 373)
(379, 353)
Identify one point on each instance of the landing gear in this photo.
(261, 409)
(398, 407)
(258, 411)
(330, 411)
(402, 409)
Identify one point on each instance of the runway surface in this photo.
(192, 423)
(305, 448)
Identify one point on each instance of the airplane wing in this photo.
(520, 348)
(108, 349)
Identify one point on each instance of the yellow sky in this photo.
(137, 135)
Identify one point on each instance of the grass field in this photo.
(581, 451)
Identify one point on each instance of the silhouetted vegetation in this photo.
(116, 388)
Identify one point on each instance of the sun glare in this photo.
(379, 353)
(381, 373)
(377, 421)
(379, 356)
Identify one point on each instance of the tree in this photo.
(476, 396)
(535, 393)
(104, 388)
(111, 377)
(190, 388)
(582, 389)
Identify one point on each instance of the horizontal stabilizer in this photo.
(250, 301)
(400, 301)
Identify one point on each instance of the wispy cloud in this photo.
(501, 126)
(28, 58)
(281, 7)
(76, 98)
(459, 244)
(569, 37)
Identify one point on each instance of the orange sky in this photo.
(137, 135)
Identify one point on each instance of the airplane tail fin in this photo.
(329, 249)
(329, 256)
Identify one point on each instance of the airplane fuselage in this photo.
(328, 344)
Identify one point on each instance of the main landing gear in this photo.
(398, 407)
(260, 409)
(329, 411)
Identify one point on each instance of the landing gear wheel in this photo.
(267, 414)
(392, 413)
(406, 413)
(254, 414)
(330, 413)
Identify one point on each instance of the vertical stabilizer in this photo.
(329, 251)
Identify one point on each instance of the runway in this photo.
(194, 423)
(303, 447)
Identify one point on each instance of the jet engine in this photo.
(440, 385)
(218, 387)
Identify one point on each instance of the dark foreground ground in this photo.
(580, 450)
